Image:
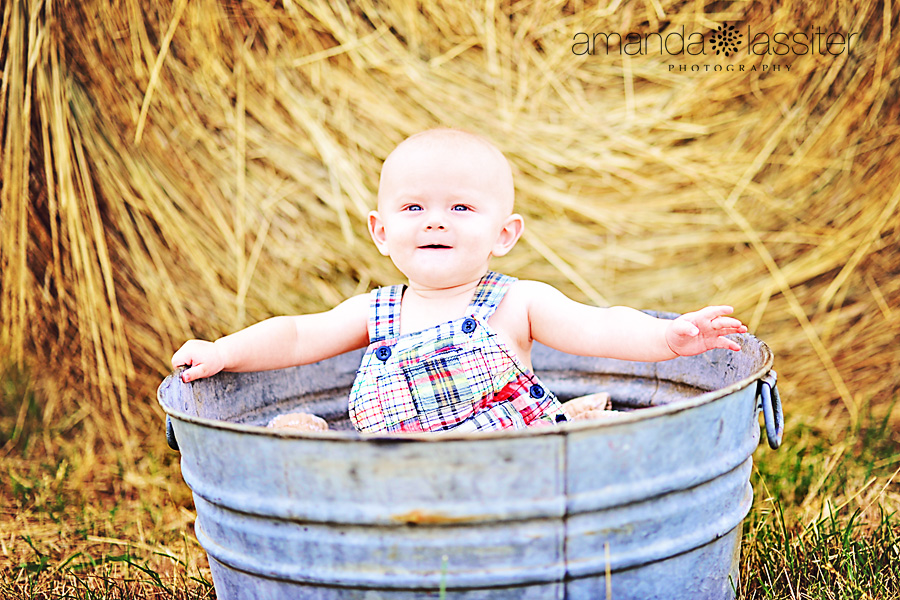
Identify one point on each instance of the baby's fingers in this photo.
(712, 313)
(198, 371)
(202, 358)
(726, 325)
(727, 344)
(182, 358)
(189, 354)
(683, 326)
(722, 326)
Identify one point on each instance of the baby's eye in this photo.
(459, 207)
(412, 207)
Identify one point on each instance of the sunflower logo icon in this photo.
(726, 39)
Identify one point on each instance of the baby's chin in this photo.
(437, 276)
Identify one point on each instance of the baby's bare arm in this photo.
(279, 342)
(621, 332)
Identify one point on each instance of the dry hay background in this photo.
(184, 168)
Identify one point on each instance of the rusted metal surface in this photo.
(651, 502)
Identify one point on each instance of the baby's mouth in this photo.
(435, 247)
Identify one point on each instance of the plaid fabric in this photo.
(384, 313)
(455, 375)
(489, 293)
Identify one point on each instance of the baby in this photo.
(452, 348)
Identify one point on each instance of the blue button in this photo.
(536, 391)
(469, 325)
(383, 353)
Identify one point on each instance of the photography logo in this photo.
(726, 40)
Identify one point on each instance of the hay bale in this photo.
(175, 169)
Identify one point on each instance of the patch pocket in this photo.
(396, 402)
(448, 386)
(500, 416)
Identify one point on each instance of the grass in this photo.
(174, 169)
(825, 522)
(75, 524)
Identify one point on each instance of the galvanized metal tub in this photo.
(647, 505)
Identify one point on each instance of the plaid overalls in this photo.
(457, 375)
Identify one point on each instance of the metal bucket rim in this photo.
(451, 436)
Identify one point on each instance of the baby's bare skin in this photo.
(299, 421)
(444, 210)
(592, 406)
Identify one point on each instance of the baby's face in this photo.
(444, 209)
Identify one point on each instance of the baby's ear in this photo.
(509, 235)
(376, 230)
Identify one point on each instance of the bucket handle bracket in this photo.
(170, 434)
(771, 407)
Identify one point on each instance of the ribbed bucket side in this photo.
(655, 498)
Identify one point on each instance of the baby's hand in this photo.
(204, 359)
(696, 332)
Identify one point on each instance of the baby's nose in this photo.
(434, 221)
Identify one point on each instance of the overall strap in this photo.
(489, 293)
(384, 313)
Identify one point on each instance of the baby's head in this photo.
(445, 148)
(445, 203)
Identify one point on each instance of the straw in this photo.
(184, 169)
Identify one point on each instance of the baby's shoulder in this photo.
(521, 296)
(514, 314)
(355, 306)
(525, 291)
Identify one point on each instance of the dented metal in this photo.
(650, 503)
